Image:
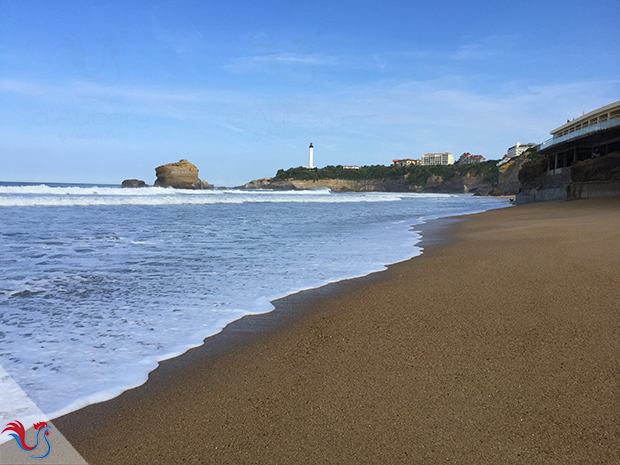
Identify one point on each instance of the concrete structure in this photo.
(468, 159)
(405, 162)
(445, 158)
(590, 122)
(311, 162)
(518, 149)
(595, 133)
(588, 190)
(351, 167)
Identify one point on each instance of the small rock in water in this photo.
(134, 183)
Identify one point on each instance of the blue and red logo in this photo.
(19, 434)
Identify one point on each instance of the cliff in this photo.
(480, 178)
(461, 184)
(180, 175)
(466, 183)
(508, 175)
(337, 185)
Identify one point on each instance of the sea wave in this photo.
(47, 196)
(43, 189)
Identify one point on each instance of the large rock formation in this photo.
(180, 175)
(598, 169)
(595, 177)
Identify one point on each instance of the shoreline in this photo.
(386, 367)
(232, 336)
(112, 392)
(433, 232)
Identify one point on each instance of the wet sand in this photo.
(500, 344)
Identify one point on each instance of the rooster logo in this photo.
(20, 437)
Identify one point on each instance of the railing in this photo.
(581, 132)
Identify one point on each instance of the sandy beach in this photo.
(499, 345)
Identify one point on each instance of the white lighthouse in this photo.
(311, 164)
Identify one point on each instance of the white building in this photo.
(438, 159)
(518, 149)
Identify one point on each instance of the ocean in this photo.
(99, 283)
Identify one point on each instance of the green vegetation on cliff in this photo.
(534, 169)
(416, 175)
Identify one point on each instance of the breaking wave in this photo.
(47, 196)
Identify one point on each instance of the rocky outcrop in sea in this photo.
(180, 175)
(133, 183)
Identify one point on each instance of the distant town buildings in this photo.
(351, 167)
(406, 162)
(518, 149)
(468, 159)
(438, 159)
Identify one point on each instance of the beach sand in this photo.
(500, 345)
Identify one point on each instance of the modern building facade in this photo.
(438, 159)
(596, 132)
(592, 135)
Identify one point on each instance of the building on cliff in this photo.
(581, 160)
(437, 159)
(518, 149)
(469, 159)
(594, 134)
(405, 162)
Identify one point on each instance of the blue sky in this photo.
(100, 91)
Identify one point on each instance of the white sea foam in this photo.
(92, 298)
(46, 196)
